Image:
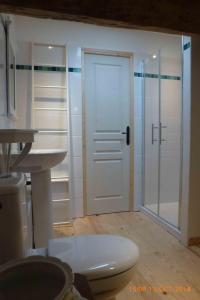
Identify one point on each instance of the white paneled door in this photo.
(107, 115)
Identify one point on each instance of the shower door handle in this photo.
(162, 127)
(127, 133)
(153, 127)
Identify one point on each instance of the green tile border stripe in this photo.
(137, 74)
(171, 77)
(23, 67)
(186, 46)
(149, 75)
(78, 70)
(47, 68)
(74, 70)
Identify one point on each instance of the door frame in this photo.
(130, 56)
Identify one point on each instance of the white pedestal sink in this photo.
(38, 163)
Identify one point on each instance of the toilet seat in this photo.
(96, 256)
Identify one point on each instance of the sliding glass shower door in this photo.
(170, 139)
(162, 136)
(151, 131)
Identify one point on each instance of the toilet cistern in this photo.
(12, 193)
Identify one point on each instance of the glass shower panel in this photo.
(170, 136)
(151, 132)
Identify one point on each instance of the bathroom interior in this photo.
(112, 114)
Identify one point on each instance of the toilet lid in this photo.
(96, 256)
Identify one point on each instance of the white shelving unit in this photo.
(50, 116)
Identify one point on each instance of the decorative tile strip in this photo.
(47, 68)
(186, 46)
(75, 70)
(23, 67)
(50, 68)
(149, 75)
(78, 70)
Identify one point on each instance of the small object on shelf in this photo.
(8, 137)
(17, 135)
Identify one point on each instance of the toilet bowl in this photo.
(108, 261)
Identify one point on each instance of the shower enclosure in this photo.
(162, 118)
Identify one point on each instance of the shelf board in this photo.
(51, 131)
(48, 65)
(50, 98)
(61, 200)
(46, 45)
(51, 86)
(50, 108)
(59, 179)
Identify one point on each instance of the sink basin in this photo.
(40, 160)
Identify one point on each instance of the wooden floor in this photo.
(196, 249)
(166, 269)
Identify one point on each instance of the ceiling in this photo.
(179, 16)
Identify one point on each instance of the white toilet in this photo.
(108, 261)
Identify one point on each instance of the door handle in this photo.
(153, 127)
(127, 132)
(161, 139)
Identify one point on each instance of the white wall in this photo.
(84, 35)
(194, 190)
(76, 36)
(75, 97)
(190, 206)
(23, 85)
(8, 122)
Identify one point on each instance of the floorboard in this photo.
(166, 269)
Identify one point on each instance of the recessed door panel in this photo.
(108, 97)
(108, 146)
(107, 185)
